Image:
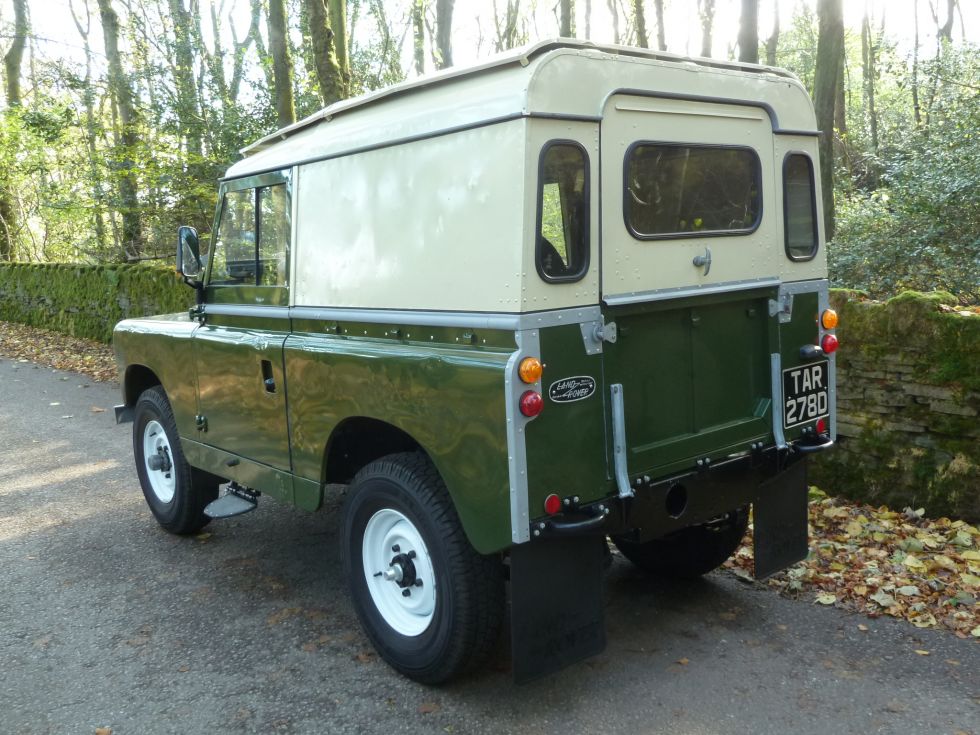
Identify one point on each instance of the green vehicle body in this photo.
(289, 394)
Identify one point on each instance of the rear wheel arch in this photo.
(359, 440)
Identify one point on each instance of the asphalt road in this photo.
(108, 621)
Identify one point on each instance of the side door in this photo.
(239, 345)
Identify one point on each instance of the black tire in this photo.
(690, 552)
(467, 589)
(192, 489)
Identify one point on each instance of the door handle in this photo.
(703, 261)
(267, 378)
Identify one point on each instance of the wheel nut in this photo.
(411, 554)
(406, 593)
(396, 548)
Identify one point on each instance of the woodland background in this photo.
(115, 132)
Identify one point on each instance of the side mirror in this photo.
(188, 253)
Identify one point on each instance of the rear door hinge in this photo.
(782, 307)
(201, 422)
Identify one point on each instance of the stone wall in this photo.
(908, 402)
(88, 300)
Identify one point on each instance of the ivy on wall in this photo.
(88, 300)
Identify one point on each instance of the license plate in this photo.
(805, 393)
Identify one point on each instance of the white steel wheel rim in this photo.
(163, 482)
(389, 536)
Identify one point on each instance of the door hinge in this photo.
(595, 333)
(782, 307)
(201, 422)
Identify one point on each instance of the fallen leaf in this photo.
(883, 599)
(909, 590)
(827, 598)
(427, 708)
(683, 661)
(862, 627)
(921, 652)
(912, 562)
(103, 731)
(365, 657)
(924, 621)
(96, 409)
(971, 555)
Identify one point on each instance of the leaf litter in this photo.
(57, 350)
(879, 561)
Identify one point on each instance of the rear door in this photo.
(689, 263)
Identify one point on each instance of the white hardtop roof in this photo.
(503, 86)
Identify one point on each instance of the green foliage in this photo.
(920, 228)
(87, 300)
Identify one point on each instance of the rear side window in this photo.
(799, 207)
(562, 247)
(677, 190)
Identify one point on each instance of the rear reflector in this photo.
(829, 344)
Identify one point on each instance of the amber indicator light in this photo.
(530, 370)
(828, 319)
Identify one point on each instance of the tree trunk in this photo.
(506, 31)
(15, 54)
(916, 107)
(641, 24)
(188, 111)
(128, 135)
(418, 35)
(282, 65)
(945, 31)
(830, 51)
(444, 33)
(868, 59)
(11, 66)
(706, 11)
(772, 43)
(324, 41)
(658, 7)
(91, 133)
(614, 14)
(338, 23)
(748, 32)
(567, 23)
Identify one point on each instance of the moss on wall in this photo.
(908, 404)
(87, 300)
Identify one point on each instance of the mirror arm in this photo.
(198, 287)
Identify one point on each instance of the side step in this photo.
(236, 501)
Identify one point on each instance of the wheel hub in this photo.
(399, 572)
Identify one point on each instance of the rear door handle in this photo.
(267, 379)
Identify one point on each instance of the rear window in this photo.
(691, 190)
(562, 247)
(799, 207)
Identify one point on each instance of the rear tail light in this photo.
(821, 426)
(828, 344)
(531, 403)
(552, 504)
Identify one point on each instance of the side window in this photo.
(799, 207)
(275, 226)
(234, 249)
(689, 190)
(562, 237)
(252, 246)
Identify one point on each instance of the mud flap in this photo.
(780, 521)
(556, 604)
